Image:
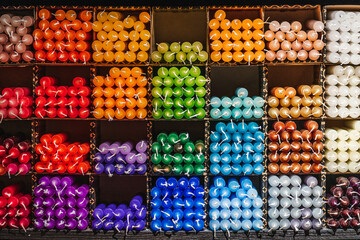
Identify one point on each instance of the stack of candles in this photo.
(285, 103)
(120, 217)
(177, 205)
(175, 153)
(289, 42)
(15, 208)
(62, 101)
(60, 204)
(343, 201)
(120, 95)
(121, 158)
(236, 107)
(235, 205)
(236, 149)
(243, 44)
(343, 37)
(63, 36)
(15, 155)
(121, 37)
(342, 91)
(179, 89)
(15, 39)
(57, 155)
(342, 145)
(293, 204)
(181, 52)
(16, 103)
(290, 145)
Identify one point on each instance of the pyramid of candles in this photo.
(342, 91)
(287, 41)
(177, 205)
(60, 203)
(235, 205)
(16, 103)
(15, 208)
(236, 148)
(121, 217)
(121, 94)
(342, 145)
(342, 37)
(62, 101)
(15, 156)
(233, 40)
(59, 156)
(295, 203)
(121, 158)
(343, 201)
(63, 36)
(240, 106)
(178, 93)
(15, 40)
(185, 52)
(285, 103)
(291, 146)
(121, 37)
(175, 153)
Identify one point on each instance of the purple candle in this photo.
(71, 202)
(141, 168)
(141, 146)
(38, 191)
(119, 213)
(39, 223)
(70, 191)
(44, 181)
(99, 157)
(126, 148)
(38, 201)
(109, 169)
(115, 148)
(82, 191)
(49, 202)
(119, 158)
(49, 213)
(118, 225)
(141, 213)
(60, 224)
(82, 224)
(97, 224)
(49, 191)
(104, 147)
(131, 157)
(135, 204)
(67, 181)
(130, 169)
(55, 182)
(39, 212)
(82, 202)
(49, 224)
(139, 225)
(119, 169)
(59, 202)
(141, 158)
(71, 223)
(82, 213)
(71, 213)
(109, 158)
(99, 168)
(60, 213)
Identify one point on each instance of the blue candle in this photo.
(233, 184)
(236, 213)
(166, 213)
(214, 214)
(226, 158)
(215, 147)
(225, 148)
(258, 168)
(215, 136)
(259, 136)
(155, 214)
(178, 203)
(259, 147)
(236, 169)
(225, 213)
(258, 225)
(236, 225)
(167, 225)
(225, 203)
(231, 127)
(247, 169)
(214, 225)
(236, 147)
(215, 169)
(257, 157)
(225, 192)
(246, 225)
(214, 192)
(237, 137)
(236, 159)
(215, 158)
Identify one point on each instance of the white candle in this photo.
(354, 58)
(353, 166)
(333, 36)
(332, 25)
(331, 156)
(333, 47)
(332, 112)
(331, 166)
(343, 134)
(354, 112)
(337, 70)
(354, 134)
(343, 112)
(353, 102)
(343, 156)
(331, 145)
(354, 48)
(357, 71)
(331, 79)
(343, 167)
(355, 37)
(345, 38)
(343, 102)
(353, 145)
(333, 57)
(338, 15)
(344, 90)
(331, 101)
(345, 26)
(331, 134)
(354, 81)
(349, 71)
(354, 156)
(332, 90)
(354, 91)
(343, 80)
(344, 58)
(342, 145)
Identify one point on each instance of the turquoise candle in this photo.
(215, 102)
(258, 112)
(226, 113)
(236, 102)
(236, 113)
(248, 113)
(241, 92)
(248, 102)
(258, 101)
(215, 113)
(226, 102)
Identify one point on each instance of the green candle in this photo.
(189, 147)
(167, 159)
(184, 138)
(188, 169)
(167, 148)
(177, 158)
(199, 169)
(188, 158)
(156, 147)
(199, 158)
(177, 169)
(173, 138)
(156, 158)
(161, 138)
